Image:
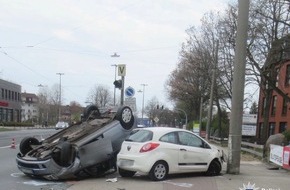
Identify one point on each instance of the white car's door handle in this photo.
(182, 149)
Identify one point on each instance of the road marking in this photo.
(187, 185)
(6, 146)
(17, 174)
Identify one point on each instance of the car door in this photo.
(193, 155)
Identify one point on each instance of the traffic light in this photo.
(118, 84)
(162, 107)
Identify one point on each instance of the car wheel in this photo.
(27, 143)
(159, 171)
(89, 109)
(126, 173)
(125, 116)
(214, 168)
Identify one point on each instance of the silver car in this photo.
(61, 125)
(85, 149)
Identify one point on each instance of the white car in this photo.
(159, 151)
(61, 125)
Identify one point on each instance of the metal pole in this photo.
(143, 101)
(115, 65)
(234, 142)
(59, 108)
(122, 91)
(184, 114)
(209, 115)
(200, 114)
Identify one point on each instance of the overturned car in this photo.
(85, 149)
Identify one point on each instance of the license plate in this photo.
(126, 163)
(24, 170)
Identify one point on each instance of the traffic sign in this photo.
(129, 91)
(122, 70)
(131, 102)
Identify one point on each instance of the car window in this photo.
(189, 139)
(140, 136)
(170, 138)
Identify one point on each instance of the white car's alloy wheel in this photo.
(159, 171)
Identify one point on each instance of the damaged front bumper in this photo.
(47, 168)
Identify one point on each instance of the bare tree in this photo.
(100, 95)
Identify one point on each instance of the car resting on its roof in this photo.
(85, 149)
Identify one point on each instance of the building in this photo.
(274, 108)
(10, 102)
(30, 109)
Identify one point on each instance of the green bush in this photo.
(17, 124)
(287, 134)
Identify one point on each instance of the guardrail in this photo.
(251, 148)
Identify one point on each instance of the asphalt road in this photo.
(10, 177)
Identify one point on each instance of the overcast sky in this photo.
(39, 38)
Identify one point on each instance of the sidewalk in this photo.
(254, 175)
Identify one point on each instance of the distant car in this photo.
(61, 125)
(159, 151)
(88, 148)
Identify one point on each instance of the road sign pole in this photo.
(122, 91)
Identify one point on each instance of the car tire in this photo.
(27, 143)
(159, 171)
(214, 168)
(126, 173)
(89, 109)
(125, 116)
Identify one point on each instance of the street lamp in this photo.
(178, 109)
(143, 100)
(59, 108)
(115, 65)
(115, 80)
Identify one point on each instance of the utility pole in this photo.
(143, 100)
(200, 114)
(115, 65)
(59, 108)
(213, 79)
(234, 142)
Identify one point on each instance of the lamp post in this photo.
(178, 109)
(115, 65)
(143, 100)
(59, 108)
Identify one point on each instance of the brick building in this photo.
(271, 103)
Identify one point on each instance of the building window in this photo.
(282, 127)
(287, 76)
(274, 105)
(271, 128)
(277, 77)
(6, 94)
(284, 107)
(2, 93)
